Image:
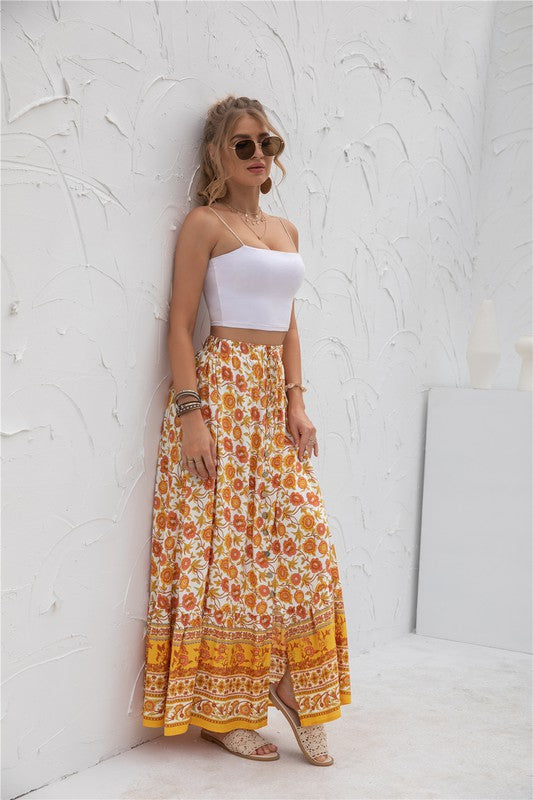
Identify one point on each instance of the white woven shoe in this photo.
(312, 739)
(241, 743)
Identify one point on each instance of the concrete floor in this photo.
(430, 718)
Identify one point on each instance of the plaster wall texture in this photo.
(407, 128)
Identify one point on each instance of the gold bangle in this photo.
(292, 385)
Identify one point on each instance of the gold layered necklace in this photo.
(256, 219)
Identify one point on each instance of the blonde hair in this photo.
(221, 118)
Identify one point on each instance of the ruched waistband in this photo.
(215, 343)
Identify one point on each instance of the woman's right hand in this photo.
(198, 444)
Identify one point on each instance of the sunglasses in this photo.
(270, 146)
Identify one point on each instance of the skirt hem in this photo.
(222, 727)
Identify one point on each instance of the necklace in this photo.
(256, 219)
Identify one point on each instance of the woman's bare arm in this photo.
(292, 363)
(193, 248)
(301, 427)
(292, 360)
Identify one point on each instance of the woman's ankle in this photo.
(286, 693)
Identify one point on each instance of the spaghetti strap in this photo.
(226, 224)
(287, 232)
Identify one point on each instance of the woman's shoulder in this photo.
(199, 212)
(291, 227)
(201, 219)
(286, 221)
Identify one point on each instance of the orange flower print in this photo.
(243, 574)
(307, 522)
(289, 547)
(309, 546)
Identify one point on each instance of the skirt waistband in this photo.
(216, 343)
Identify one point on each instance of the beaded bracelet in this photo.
(184, 408)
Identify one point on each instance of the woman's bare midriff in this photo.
(250, 335)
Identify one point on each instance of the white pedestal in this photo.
(475, 549)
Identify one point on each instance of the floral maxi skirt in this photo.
(243, 572)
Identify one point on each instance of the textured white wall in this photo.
(502, 264)
(405, 136)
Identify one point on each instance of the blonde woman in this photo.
(245, 608)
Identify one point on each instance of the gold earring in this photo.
(266, 186)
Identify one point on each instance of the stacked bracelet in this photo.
(191, 405)
(291, 385)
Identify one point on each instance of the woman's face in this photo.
(247, 127)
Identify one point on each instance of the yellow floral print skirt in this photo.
(243, 577)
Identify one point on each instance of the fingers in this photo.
(201, 466)
(196, 466)
(307, 445)
(192, 464)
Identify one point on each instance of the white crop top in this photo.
(252, 287)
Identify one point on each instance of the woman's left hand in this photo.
(303, 431)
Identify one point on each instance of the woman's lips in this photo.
(256, 169)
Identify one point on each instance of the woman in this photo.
(246, 608)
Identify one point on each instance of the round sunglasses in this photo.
(270, 146)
